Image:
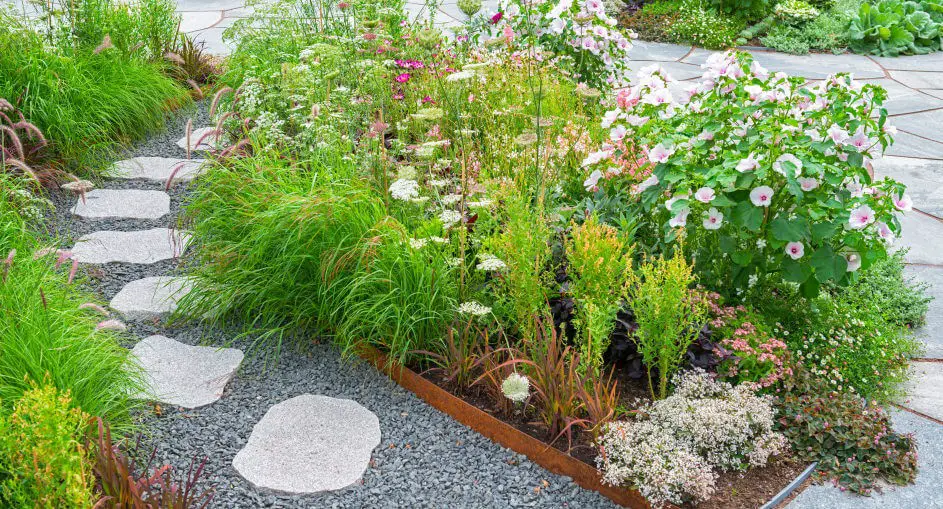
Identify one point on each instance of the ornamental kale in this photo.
(891, 27)
(775, 171)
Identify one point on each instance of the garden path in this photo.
(306, 430)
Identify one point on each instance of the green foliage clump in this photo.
(754, 9)
(796, 12)
(686, 21)
(893, 27)
(665, 308)
(828, 32)
(46, 336)
(44, 461)
(851, 439)
(885, 291)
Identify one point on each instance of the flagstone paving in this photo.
(183, 375)
(309, 444)
(150, 297)
(139, 246)
(126, 203)
(158, 169)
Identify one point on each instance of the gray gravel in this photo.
(425, 459)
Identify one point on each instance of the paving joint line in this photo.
(918, 414)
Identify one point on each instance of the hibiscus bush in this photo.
(579, 35)
(774, 170)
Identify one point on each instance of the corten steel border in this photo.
(502, 433)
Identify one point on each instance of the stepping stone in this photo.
(922, 234)
(309, 444)
(123, 203)
(923, 390)
(657, 51)
(151, 297)
(923, 178)
(919, 79)
(902, 100)
(908, 145)
(931, 333)
(930, 62)
(158, 169)
(140, 246)
(928, 124)
(183, 375)
(209, 143)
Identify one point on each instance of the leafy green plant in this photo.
(755, 8)
(700, 25)
(669, 316)
(852, 439)
(886, 291)
(600, 263)
(795, 12)
(895, 27)
(828, 32)
(44, 461)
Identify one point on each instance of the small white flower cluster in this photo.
(404, 189)
(449, 218)
(516, 387)
(490, 263)
(473, 308)
(704, 425)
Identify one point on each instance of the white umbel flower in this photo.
(404, 189)
(473, 308)
(490, 262)
(516, 387)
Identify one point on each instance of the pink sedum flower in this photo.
(795, 250)
(762, 196)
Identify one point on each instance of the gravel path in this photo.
(425, 459)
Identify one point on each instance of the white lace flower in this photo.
(516, 387)
(404, 189)
(490, 263)
(473, 308)
(449, 217)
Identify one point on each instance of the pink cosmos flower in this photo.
(903, 203)
(795, 250)
(496, 18)
(761, 196)
(860, 217)
(749, 164)
(808, 183)
(704, 195)
(854, 261)
(402, 78)
(659, 154)
(713, 219)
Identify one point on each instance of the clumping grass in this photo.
(87, 104)
(48, 336)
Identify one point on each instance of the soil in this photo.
(734, 490)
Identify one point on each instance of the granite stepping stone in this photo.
(309, 444)
(923, 389)
(921, 235)
(209, 143)
(151, 297)
(158, 169)
(139, 246)
(122, 203)
(183, 375)
(931, 332)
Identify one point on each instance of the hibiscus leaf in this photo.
(822, 231)
(789, 231)
(828, 265)
(795, 271)
(748, 215)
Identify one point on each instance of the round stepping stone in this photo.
(158, 169)
(184, 375)
(125, 203)
(151, 297)
(209, 143)
(140, 246)
(309, 444)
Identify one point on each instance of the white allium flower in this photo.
(490, 262)
(473, 308)
(516, 387)
(404, 189)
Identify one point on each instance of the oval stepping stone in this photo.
(309, 444)
(158, 168)
(184, 375)
(140, 246)
(151, 297)
(209, 143)
(129, 203)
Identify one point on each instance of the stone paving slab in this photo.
(183, 375)
(140, 246)
(191, 21)
(923, 178)
(919, 79)
(928, 124)
(657, 51)
(934, 93)
(210, 142)
(813, 66)
(931, 333)
(150, 297)
(902, 99)
(309, 444)
(122, 203)
(923, 494)
(927, 62)
(925, 389)
(157, 169)
(908, 145)
(922, 234)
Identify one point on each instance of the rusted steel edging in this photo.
(502, 433)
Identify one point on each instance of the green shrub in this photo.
(851, 439)
(698, 25)
(796, 12)
(828, 32)
(755, 9)
(885, 291)
(44, 461)
(667, 311)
